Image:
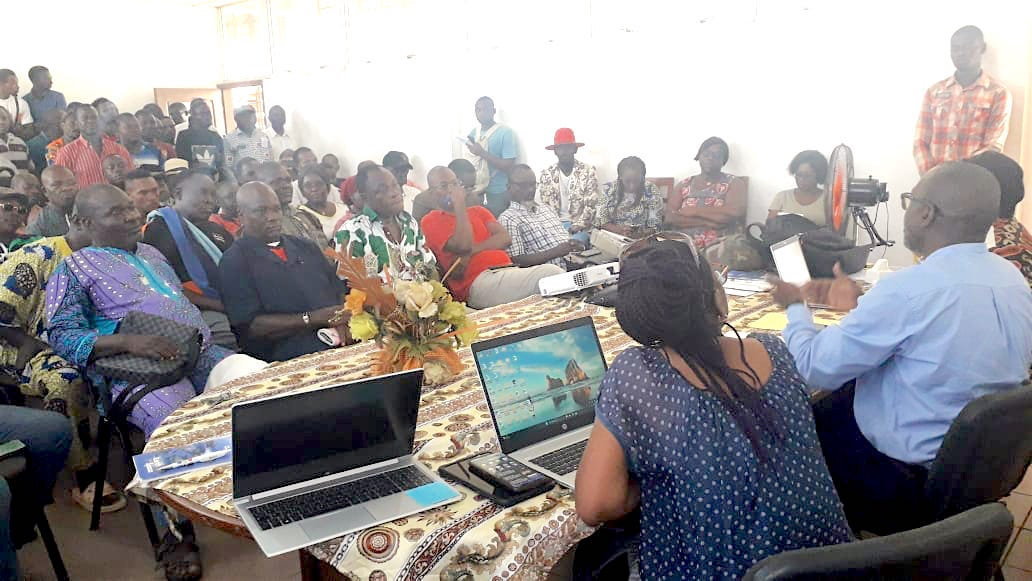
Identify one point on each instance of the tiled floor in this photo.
(1018, 558)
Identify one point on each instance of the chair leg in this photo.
(47, 536)
(125, 435)
(104, 443)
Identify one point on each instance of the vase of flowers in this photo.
(416, 323)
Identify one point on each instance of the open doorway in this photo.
(239, 94)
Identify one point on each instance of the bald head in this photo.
(261, 214)
(253, 195)
(94, 200)
(438, 175)
(956, 203)
(28, 184)
(60, 187)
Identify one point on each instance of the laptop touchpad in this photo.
(329, 525)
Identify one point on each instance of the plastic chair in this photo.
(966, 546)
(10, 469)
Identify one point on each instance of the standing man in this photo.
(279, 139)
(21, 114)
(60, 188)
(69, 133)
(538, 235)
(199, 145)
(247, 141)
(965, 114)
(108, 112)
(83, 156)
(130, 135)
(49, 125)
(398, 164)
(178, 114)
(494, 151)
(570, 187)
(42, 98)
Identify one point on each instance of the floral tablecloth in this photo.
(470, 537)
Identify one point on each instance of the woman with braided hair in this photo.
(713, 436)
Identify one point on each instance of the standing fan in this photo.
(845, 195)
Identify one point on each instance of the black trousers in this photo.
(881, 494)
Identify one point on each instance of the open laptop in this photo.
(541, 387)
(312, 466)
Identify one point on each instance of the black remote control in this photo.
(506, 472)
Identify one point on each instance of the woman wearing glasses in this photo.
(14, 209)
(712, 436)
(711, 205)
(630, 206)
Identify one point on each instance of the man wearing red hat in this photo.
(570, 187)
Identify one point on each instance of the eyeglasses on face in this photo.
(906, 198)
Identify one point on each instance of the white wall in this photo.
(119, 49)
(842, 71)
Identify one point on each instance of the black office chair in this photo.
(11, 469)
(966, 546)
(984, 455)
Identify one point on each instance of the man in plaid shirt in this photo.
(965, 114)
(538, 235)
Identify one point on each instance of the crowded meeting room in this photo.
(372, 290)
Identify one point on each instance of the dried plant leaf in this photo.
(353, 270)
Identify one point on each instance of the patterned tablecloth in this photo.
(470, 537)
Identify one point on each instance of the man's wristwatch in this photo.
(307, 318)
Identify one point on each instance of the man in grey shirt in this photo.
(60, 187)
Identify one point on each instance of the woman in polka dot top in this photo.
(712, 436)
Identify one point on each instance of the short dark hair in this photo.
(178, 179)
(517, 166)
(99, 100)
(125, 117)
(972, 31)
(313, 170)
(710, 142)
(461, 164)
(138, 174)
(814, 159)
(1009, 174)
(301, 150)
(242, 161)
(362, 177)
(36, 71)
(6, 74)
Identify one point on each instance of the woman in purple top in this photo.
(90, 293)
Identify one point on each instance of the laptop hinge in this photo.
(315, 482)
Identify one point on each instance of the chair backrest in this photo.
(966, 546)
(984, 455)
(665, 185)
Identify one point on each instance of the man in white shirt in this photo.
(15, 105)
(277, 132)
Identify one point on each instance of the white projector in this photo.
(569, 282)
(610, 243)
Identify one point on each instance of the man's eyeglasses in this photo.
(7, 207)
(906, 198)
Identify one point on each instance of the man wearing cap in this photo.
(247, 141)
(570, 187)
(14, 207)
(398, 164)
(493, 149)
(199, 145)
(60, 188)
(279, 139)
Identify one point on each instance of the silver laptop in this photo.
(541, 386)
(313, 466)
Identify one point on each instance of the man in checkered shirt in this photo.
(965, 114)
(538, 235)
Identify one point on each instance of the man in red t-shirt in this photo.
(484, 275)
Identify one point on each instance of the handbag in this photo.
(138, 370)
(822, 247)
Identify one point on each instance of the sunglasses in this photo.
(8, 207)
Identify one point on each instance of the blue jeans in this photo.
(47, 437)
(584, 236)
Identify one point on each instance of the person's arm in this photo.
(604, 487)
(777, 204)
(461, 241)
(204, 302)
(503, 162)
(498, 240)
(997, 124)
(536, 258)
(923, 135)
(284, 325)
(733, 209)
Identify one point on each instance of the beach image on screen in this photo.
(542, 380)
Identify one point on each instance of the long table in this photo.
(473, 536)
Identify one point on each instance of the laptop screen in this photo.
(299, 437)
(791, 263)
(542, 382)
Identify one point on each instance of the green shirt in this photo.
(410, 259)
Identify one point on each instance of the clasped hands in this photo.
(839, 293)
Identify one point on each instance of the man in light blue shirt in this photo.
(920, 345)
(494, 151)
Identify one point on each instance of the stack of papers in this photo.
(744, 284)
(175, 461)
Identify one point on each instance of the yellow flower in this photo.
(418, 297)
(453, 312)
(363, 326)
(468, 334)
(439, 290)
(355, 301)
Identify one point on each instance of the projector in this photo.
(569, 282)
(610, 243)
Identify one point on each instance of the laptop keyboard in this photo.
(564, 460)
(324, 500)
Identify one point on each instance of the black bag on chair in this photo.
(822, 247)
(139, 370)
(775, 230)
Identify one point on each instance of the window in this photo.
(244, 39)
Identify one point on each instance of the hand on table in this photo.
(839, 293)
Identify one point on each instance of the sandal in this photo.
(181, 559)
(111, 500)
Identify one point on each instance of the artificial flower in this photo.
(419, 297)
(363, 326)
(355, 301)
(435, 372)
(439, 290)
(467, 334)
(453, 312)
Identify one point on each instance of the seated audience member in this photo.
(467, 175)
(143, 191)
(198, 144)
(246, 170)
(1010, 239)
(728, 421)
(278, 289)
(27, 356)
(228, 217)
(538, 235)
(471, 244)
(46, 438)
(83, 156)
(108, 114)
(247, 140)
(305, 158)
(318, 203)
(69, 133)
(167, 131)
(14, 208)
(920, 345)
(711, 205)
(331, 165)
(398, 164)
(115, 169)
(179, 115)
(29, 186)
(60, 188)
(295, 223)
(150, 129)
(384, 235)
(194, 245)
(348, 188)
(12, 147)
(631, 205)
(95, 287)
(49, 125)
(287, 160)
(130, 135)
(570, 187)
(810, 169)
